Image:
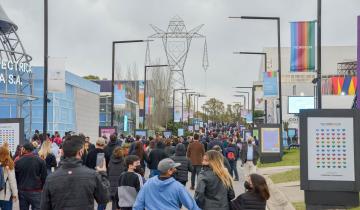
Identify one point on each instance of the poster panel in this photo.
(141, 133)
(56, 75)
(270, 138)
(181, 132)
(167, 134)
(197, 127)
(256, 133)
(331, 148)
(119, 95)
(177, 114)
(107, 131)
(10, 133)
(191, 128)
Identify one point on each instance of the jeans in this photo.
(195, 172)
(6, 205)
(101, 206)
(27, 199)
(154, 172)
(234, 172)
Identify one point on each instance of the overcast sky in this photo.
(82, 31)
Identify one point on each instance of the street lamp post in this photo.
(277, 19)
(114, 43)
(174, 91)
(265, 69)
(248, 96)
(45, 66)
(145, 82)
(252, 102)
(244, 97)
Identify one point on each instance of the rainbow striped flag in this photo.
(302, 46)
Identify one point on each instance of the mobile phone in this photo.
(100, 158)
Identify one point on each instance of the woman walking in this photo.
(9, 194)
(256, 195)
(45, 154)
(214, 190)
(139, 151)
(181, 175)
(115, 169)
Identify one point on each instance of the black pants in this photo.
(195, 172)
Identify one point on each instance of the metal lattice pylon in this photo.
(176, 41)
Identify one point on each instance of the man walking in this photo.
(74, 186)
(31, 172)
(195, 153)
(164, 192)
(249, 157)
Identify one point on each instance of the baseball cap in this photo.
(100, 141)
(166, 164)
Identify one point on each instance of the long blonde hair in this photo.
(45, 149)
(216, 163)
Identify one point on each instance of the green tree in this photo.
(215, 109)
(91, 77)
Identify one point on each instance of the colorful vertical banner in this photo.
(125, 123)
(141, 94)
(358, 62)
(270, 84)
(149, 105)
(177, 114)
(119, 94)
(302, 46)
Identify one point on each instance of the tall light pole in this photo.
(174, 91)
(252, 102)
(197, 102)
(248, 98)
(45, 66)
(114, 43)
(265, 69)
(319, 101)
(145, 83)
(277, 19)
(244, 97)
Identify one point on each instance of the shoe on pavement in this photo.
(236, 180)
(192, 188)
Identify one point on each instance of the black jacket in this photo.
(181, 174)
(30, 171)
(210, 193)
(109, 149)
(92, 156)
(155, 156)
(50, 161)
(74, 186)
(248, 201)
(116, 168)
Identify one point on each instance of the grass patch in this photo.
(290, 158)
(287, 176)
(301, 206)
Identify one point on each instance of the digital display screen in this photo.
(295, 103)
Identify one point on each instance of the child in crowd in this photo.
(130, 183)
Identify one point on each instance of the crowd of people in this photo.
(54, 173)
